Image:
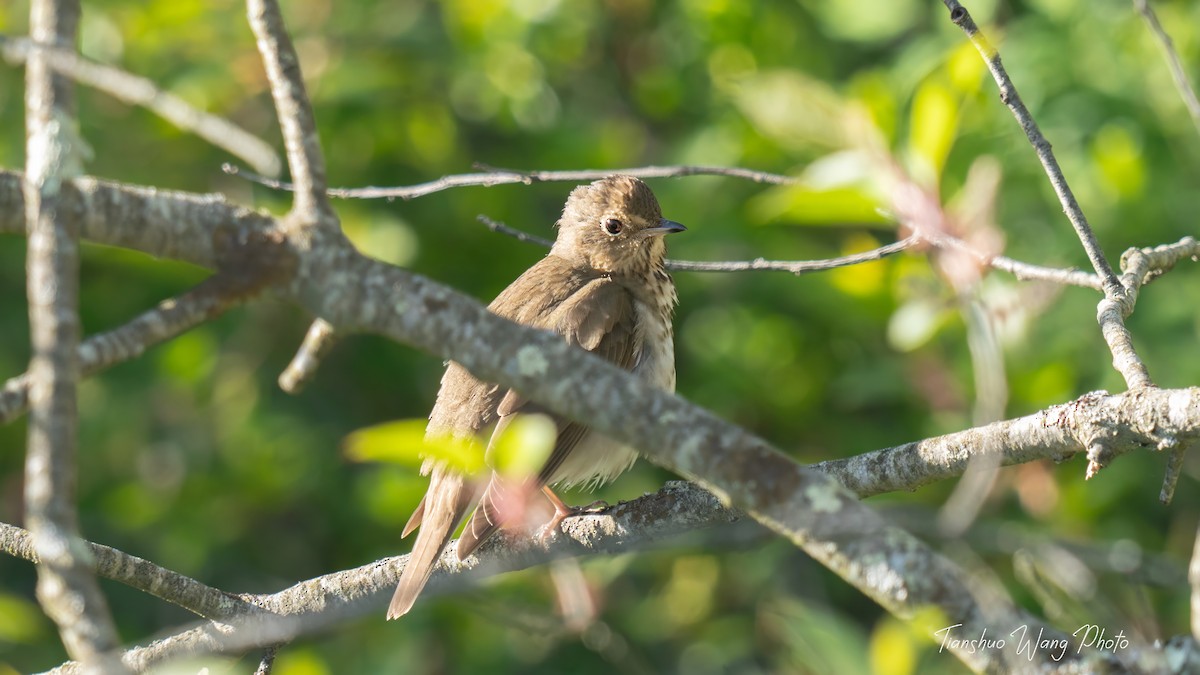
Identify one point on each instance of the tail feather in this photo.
(485, 520)
(414, 521)
(442, 509)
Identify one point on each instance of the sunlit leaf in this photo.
(914, 324)
(934, 124)
(864, 279)
(1118, 156)
(892, 649)
(404, 442)
(522, 448)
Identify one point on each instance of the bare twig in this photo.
(170, 318)
(1028, 272)
(268, 660)
(137, 90)
(318, 341)
(1008, 94)
(796, 267)
(1174, 470)
(1139, 266)
(493, 176)
(1115, 306)
(1178, 74)
(141, 574)
(294, 111)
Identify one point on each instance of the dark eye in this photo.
(613, 226)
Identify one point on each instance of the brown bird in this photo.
(602, 287)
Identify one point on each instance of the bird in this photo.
(603, 287)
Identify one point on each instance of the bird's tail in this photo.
(443, 507)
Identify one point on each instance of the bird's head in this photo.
(614, 225)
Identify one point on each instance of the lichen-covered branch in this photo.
(141, 574)
(66, 587)
(1162, 419)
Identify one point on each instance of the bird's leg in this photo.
(562, 511)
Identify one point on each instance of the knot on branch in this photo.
(249, 260)
(1108, 426)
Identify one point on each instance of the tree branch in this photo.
(66, 588)
(1127, 422)
(796, 267)
(318, 342)
(136, 90)
(355, 293)
(1110, 313)
(172, 317)
(493, 176)
(1178, 74)
(141, 574)
(1008, 94)
(292, 108)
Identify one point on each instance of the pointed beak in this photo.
(664, 227)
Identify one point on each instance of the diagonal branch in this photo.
(1178, 74)
(1112, 310)
(1008, 94)
(137, 90)
(1131, 421)
(356, 293)
(141, 574)
(293, 110)
(172, 317)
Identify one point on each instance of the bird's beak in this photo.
(664, 227)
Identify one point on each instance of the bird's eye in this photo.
(613, 226)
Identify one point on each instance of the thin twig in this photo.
(268, 660)
(168, 319)
(137, 90)
(1174, 470)
(318, 341)
(293, 109)
(493, 176)
(796, 267)
(1008, 94)
(1178, 74)
(141, 574)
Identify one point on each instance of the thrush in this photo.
(603, 288)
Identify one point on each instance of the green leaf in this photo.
(522, 448)
(405, 442)
(20, 620)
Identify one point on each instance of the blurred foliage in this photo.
(192, 457)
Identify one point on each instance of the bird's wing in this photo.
(465, 405)
(600, 318)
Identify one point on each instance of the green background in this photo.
(192, 457)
